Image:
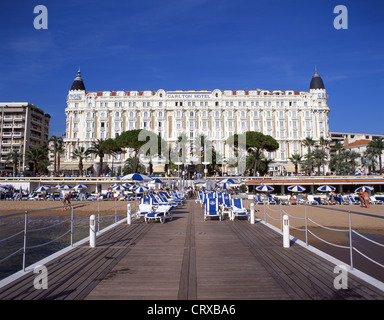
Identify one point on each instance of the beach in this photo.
(81, 208)
(322, 215)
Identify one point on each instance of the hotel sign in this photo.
(189, 96)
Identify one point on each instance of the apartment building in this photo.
(22, 126)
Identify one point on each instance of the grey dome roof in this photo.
(78, 84)
(316, 82)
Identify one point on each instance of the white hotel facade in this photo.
(288, 116)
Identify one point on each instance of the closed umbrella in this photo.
(296, 188)
(326, 188)
(265, 188)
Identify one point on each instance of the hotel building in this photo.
(289, 116)
(22, 126)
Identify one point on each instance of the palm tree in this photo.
(36, 155)
(98, 150)
(369, 161)
(376, 146)
(56, 142)
(80, 154)
(296, 160)
(308, 142)
(319, 157)
(14, 156)
(338, 147)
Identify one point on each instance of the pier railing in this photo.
(267, 215)
(27, 239)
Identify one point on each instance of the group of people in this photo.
(364, 198)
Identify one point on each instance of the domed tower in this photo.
(78, 83)
(316, 82)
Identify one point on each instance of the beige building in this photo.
(287, 115)
(22, 126)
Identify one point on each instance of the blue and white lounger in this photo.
(238, 209)
(212, 209)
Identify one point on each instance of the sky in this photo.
(196, 45)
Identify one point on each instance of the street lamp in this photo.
(205, 163)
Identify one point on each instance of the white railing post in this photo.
(129, 217)
(25, 238)
(252, 209)
(350, 239)
(92, 231)
(286, 241)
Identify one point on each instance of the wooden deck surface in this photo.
(190, 259)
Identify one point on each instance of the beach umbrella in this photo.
(140, 189)
(265, 188)
(42, 189)
(364, 188)
(326, 188)
(127, 185)
(225, 186)
(118, 188)
(296, 188)
(80, 186)
(136, 177)
(4, 188)
(56, 186)
(229, 180)
(114, 185)
(65, 187)
(157, 180)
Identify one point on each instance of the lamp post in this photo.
(205, 163)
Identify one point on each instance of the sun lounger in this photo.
(237, 209)
(353, 200)
(212, 209)
(271, 201)
(373, 200)
(161, 213)
(257, 199)
(300, 199)
(311, 200)
(342, 200)
(143, 210)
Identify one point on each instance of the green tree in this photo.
(98, 149)
(57, 143)
(15, 156)
(309, 143)
(79, 154)
(376, 147)
(36, 155)
(319, 157)
(131, 139)
(255, 142)
(296, 160)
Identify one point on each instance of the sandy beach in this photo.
(319, 214)
(81, 208)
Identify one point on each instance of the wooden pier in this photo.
(190, 259)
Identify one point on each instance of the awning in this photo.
(74, 166)
(159, 169)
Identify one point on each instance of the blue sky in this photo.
(196, 45)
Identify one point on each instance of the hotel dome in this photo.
(78, 83)
(316, 82)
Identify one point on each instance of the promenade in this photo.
(188, 258)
